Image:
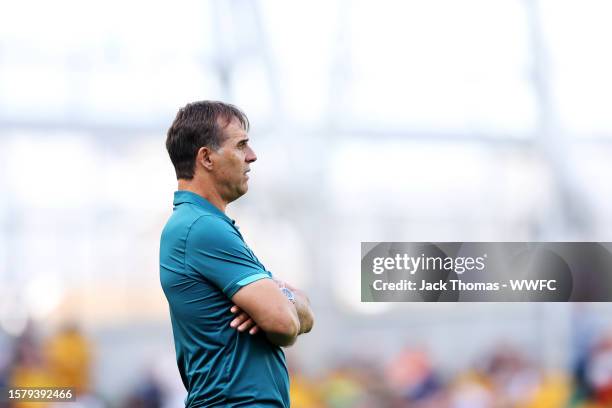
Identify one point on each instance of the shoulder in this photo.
(208, 228)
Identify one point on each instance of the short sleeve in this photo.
(215, 250)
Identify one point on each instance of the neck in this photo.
(203, 190)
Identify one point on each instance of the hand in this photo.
(243, 321)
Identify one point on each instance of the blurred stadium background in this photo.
(435, 120)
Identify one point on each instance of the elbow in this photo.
(281, 340)
(289, 329)
(309, 323)
(284, 332)
(293, 329)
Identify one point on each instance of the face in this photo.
(232, 162)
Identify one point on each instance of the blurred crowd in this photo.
(504, 377)
(63, 360)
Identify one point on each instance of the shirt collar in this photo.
(184, 196)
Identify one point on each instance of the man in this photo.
(229, 317)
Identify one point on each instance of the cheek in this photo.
(237, 161)
(232, 168)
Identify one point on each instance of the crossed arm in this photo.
(262, 306)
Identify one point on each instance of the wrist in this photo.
(289, 294)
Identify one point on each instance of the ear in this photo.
(203, 158)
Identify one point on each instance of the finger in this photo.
(254, 330)
(235, 309)
(238, 320)
(246, 325)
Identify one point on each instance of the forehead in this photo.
(233, 131)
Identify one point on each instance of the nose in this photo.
(250, 156)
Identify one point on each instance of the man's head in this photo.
(208, 143)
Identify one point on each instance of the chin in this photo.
(242, 191)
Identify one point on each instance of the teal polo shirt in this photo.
(203, 262)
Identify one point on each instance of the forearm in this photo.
(283, 329)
